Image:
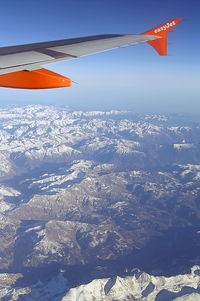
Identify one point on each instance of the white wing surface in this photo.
(33, 56)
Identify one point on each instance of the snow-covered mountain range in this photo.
(96, 194)
(139, 286)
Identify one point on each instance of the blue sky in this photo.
(128, 78)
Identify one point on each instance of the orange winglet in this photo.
(160, 44)
(37, 79)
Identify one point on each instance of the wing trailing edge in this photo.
(160, 44)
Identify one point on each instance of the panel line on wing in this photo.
(55, 54)
(32, 66)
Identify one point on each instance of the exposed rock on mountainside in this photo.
(140, 287)
(97, 192)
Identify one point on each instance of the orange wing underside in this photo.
(37, 79)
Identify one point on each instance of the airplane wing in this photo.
(29, 57)
(21, 66)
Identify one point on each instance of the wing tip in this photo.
(160, 34)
